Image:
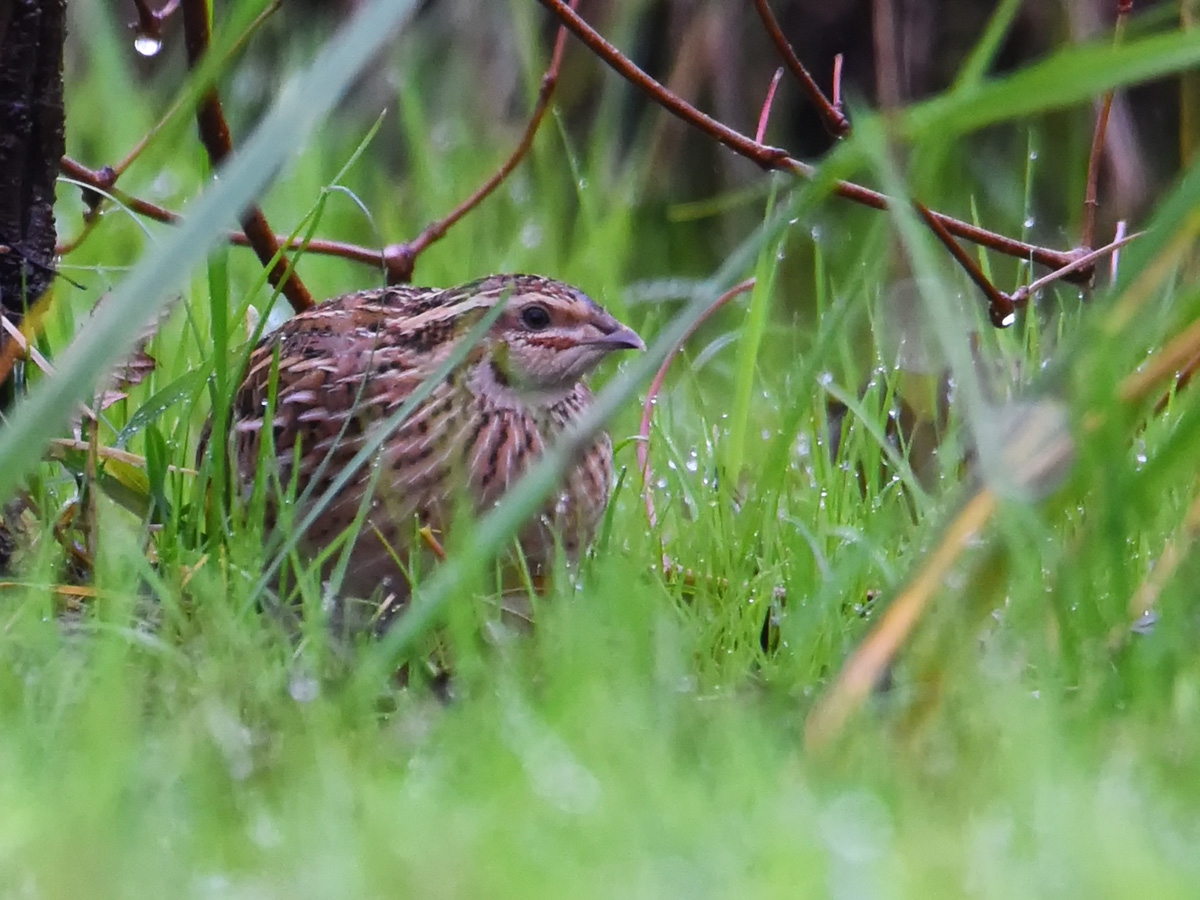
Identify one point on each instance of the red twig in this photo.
(102, 179)
(214, 133)
(1090, 202)
(643, 445)
(837, 82)
(396, 259)
(399, 259)
(768, 157)
(831, 112)
(765, 114)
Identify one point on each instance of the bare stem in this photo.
(399, 259)
(1090, 201)
(214, 133)
(835, 120)
(775, 158)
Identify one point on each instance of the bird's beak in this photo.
(621, 338)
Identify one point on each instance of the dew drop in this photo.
(147, 44)
(1029, 223)
(303, 686)
(531, 235)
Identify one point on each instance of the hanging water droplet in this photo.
(1032, 155)
(1029, 223)
(147, 44)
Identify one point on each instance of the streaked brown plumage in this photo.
(354, 360)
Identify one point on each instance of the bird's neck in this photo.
(488, 382)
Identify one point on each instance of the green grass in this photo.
(167, 738)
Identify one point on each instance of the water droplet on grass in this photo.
(303, 686)
(531, 235)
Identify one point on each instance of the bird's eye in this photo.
(535, 317)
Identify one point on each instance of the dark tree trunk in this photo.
(31, 145)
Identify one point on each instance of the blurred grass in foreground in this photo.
(641, 742)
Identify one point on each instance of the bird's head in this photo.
(549, 334)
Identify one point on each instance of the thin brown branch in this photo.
(102, 179)
(1000, 305)
(1090, 194)
(214, 133)
(672, 571)
(1022, 294)
(396, 257)
(832, 116)
(399, 259)
(643, 445)
(764, 156)
(1090, 201)
(775, 158)
(340, 249)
